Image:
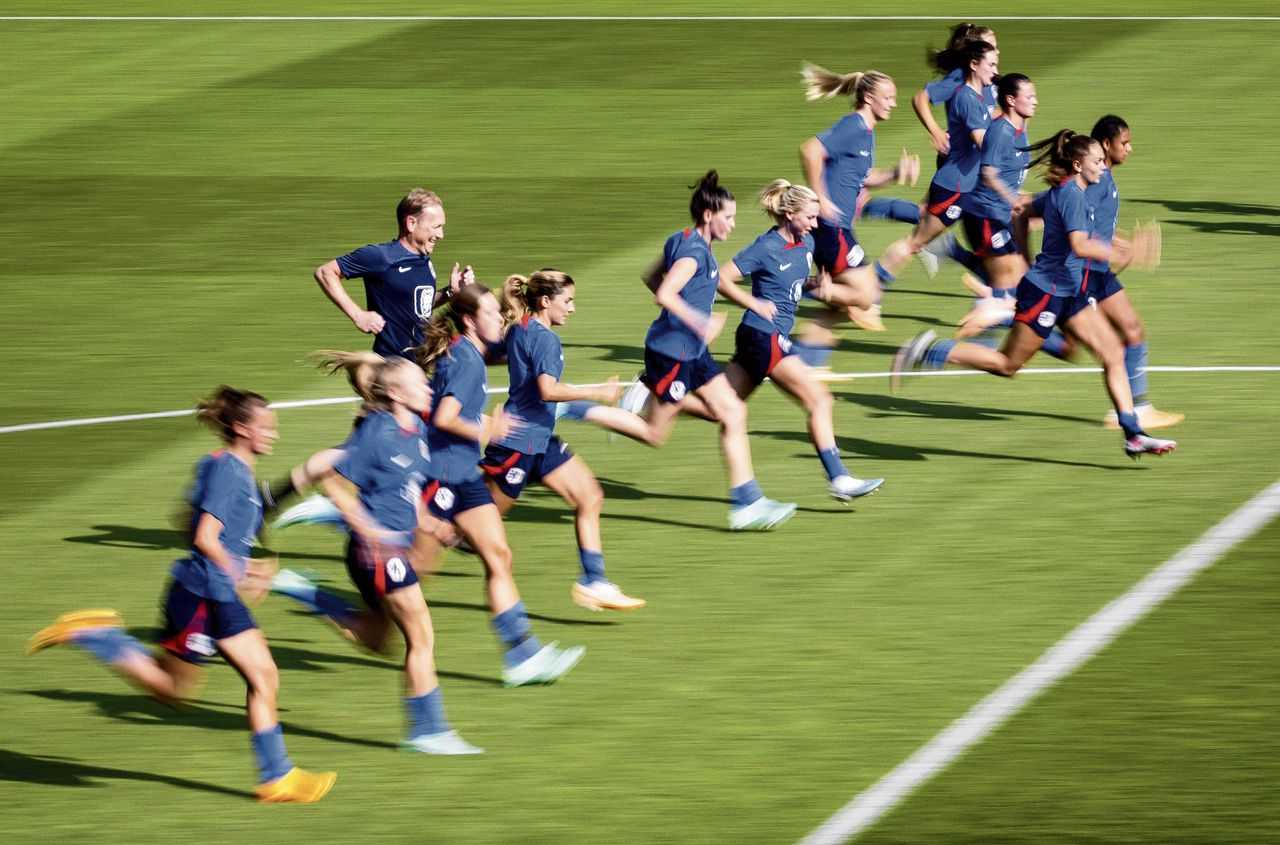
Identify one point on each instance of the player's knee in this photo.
(1134, 332)
(821, 402)
(498, 561)
(591, 497)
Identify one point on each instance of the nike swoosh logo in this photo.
(715, 274)
(784, 266)
(863, 153)
(404, 269)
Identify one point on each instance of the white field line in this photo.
(618, 18)
(1063, 658)
(308, 403)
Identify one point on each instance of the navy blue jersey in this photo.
(942, 90)
(1104, 201)
(532, 350)
(966, 114)
(778, 271)
(224, 489)
(1058, 270)
(398, 284)
(1009, 152)
(668, 335)
(851, 149)
(460, 374)
(388, 464)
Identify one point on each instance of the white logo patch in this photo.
(401, 460)
(999, 239)
(864, 152)
(424, 297)
(953, 212)
(201, 644)
(423, 450)
(855, 256)
(515, 475)
(1047, 318)
(677, 390)
(395, 569)
(715, 274)
(404, 269)
(784, 266)
(1093, 302)
(784, 343)
(444, 498)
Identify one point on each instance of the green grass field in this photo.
(169, 187)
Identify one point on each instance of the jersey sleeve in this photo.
(996, 145)
(973, 114)
(940, 90)
(366, 259)
(1075, 214)
(220, 489)
(1038, 203)
(548, 358)
(353, 465)
(841, 136)
(752, 258)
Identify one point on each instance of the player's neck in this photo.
(867, 117)
(403, 416)
(242, 450)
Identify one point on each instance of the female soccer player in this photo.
(454, 351)
(386, 459)
(1053, 292)
(204, 607)
(988, 214)
(679, 370)
(778, 263)
(837, 165)
(1114, 303)
(532, 307)
(968, 119)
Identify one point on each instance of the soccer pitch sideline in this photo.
(206, 169)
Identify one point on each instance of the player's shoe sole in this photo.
(65, 626)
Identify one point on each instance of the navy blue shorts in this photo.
(759, 352)
(1103, 283)
(194, 624)
(835, 249)
(512, 470)
(988, 236)
(446, 500)
(376, 570)
(1042, 311)
(671, 380)
(944, 204)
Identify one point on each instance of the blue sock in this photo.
(1129, 422)
(831, 462)
(884, 208)
(107, 644)
(958, 253)
(273, 760)
(1004, 293)
(935, 357)
(512, 627)
(426, 714)
(592, 566)
(321, 602)
(813, 354)
(1056, 345)
(745, 494)
(886, 278)
(575, 410)
(1135, 364)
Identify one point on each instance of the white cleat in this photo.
(544, 667)
(313, 510)
(846, 487)
(763, 514)
(908, 357)
(447, 743)
(1145, 444)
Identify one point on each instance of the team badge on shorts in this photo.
(1047, 318)
(855, 255)
(201, 644)
(444, 498)
(953, 212)
(677, 390)
(515, 475)
(395, 569)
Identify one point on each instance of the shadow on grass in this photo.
(159, 539)
(1233, 210)
(484, 608)
(886, 406)
(902, 452)
(66, 771)
(137, 709)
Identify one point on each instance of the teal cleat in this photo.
(761, 515)
(449, 743)
(313, 510)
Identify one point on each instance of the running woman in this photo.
(205, 606)
(968, 119)
(679, 370)
(779, 262)
(988, 213)
(453, 350)
(399, 279)
(533, 307)
(1054, 291)
(387, 461)
(838, 166)
(1104, 197)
